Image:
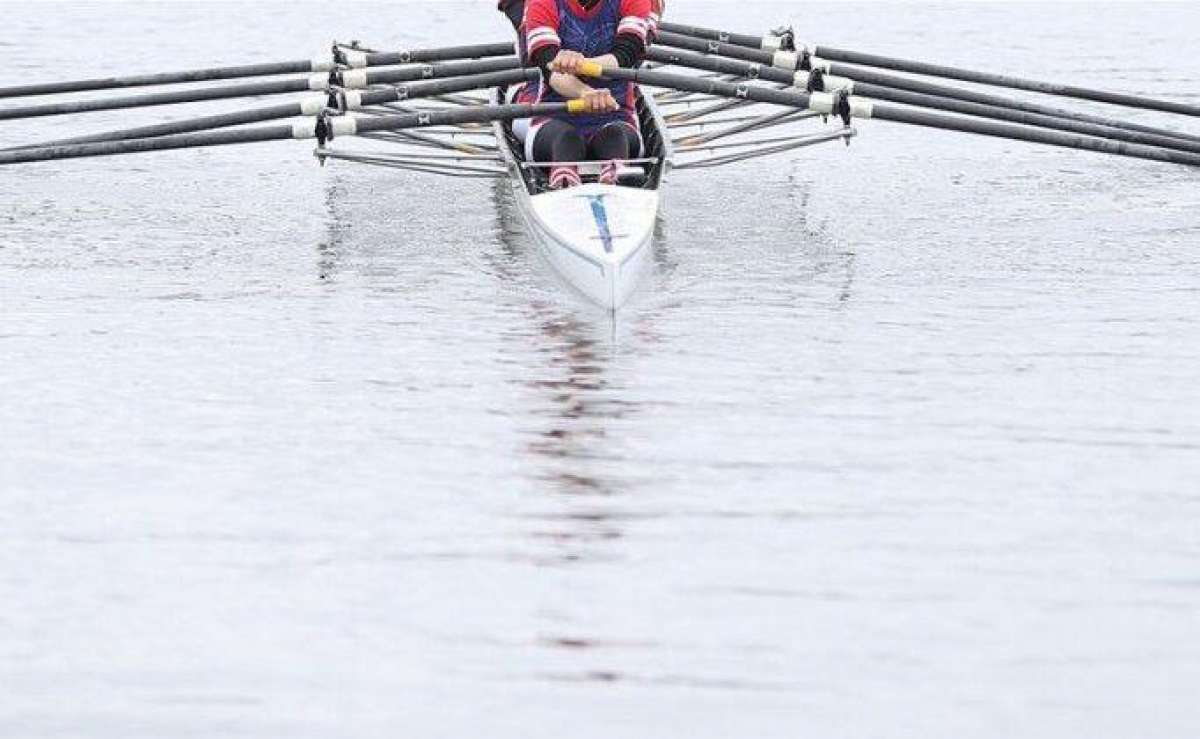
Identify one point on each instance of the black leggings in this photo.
(559, 141)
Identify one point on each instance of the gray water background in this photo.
(899, 440)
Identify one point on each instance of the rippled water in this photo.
(899, 440)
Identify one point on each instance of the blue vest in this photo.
(593, 37)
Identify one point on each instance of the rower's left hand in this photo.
(600, 101)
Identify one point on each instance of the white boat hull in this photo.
(596, 237)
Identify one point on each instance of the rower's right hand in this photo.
(600, 101)
(567, 61)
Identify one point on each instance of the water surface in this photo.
(898, 440)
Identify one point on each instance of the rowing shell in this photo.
(596, 237)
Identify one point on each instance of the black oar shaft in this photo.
(166, 78)
(863, 74)
(999, 80)
(162, 143)
(880, 92)
(479, 114)
(712, 34)
(363, 78)
(204, 123)
(732, 51)
(306, 130)
(1033, 135)
(474, 51)
(710, 86)
(431, 88)
(272, 87)
(1028, 119)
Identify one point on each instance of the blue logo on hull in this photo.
(600, 213)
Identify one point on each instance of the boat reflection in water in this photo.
(579, 507)
(469, 326)
(576, 349)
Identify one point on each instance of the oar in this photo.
(853, 107)
(818, 82)
(193, 95)
(321, 128)
(350, 58)
(168, 78)
(358, 59)
(998, 80)
(967, 75)
(345, 99)
(791, 61)
(766, 42)
(357, 99)
(359, 79)
(355, 78)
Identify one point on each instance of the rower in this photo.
(514, 10)
(657, 8)
(560, 35)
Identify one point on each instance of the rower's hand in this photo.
(600, 101)
(567, 61)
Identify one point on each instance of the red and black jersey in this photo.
(618, 27)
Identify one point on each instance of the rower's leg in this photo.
(617, 140)
(557, 141)
(613, 142)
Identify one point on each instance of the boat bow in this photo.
(604, 231)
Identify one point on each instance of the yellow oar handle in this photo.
(586, 69)
(590, 69)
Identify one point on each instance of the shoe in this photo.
(608, 174)
(562, 177)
